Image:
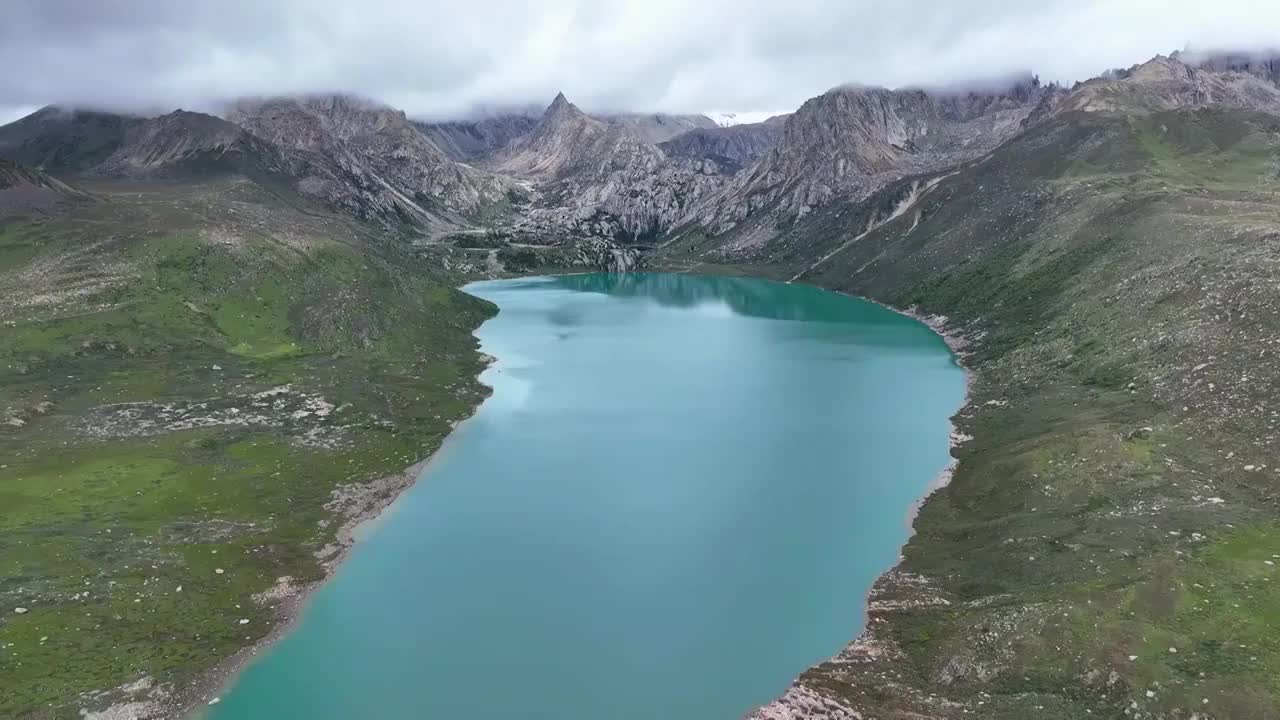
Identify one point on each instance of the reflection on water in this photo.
(746, 296)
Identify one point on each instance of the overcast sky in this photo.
(445, 57)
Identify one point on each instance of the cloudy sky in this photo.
(446, 57)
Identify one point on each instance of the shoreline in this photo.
(362, 507)
(864, 643)
(359, 508)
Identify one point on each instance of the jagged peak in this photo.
(1016, 85)
(1259, 63)
(71, 112)
(323, 104)
(561, 107)
(192, 117)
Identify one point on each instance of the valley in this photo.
(225, 337)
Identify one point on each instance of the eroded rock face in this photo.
(475, 141)
(26, 191)
(1179, 80)
(658, 128)
(853, 140)
(183, 141)
(585, 167)
(369, 159)
(729, 149)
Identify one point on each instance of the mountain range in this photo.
(619, 177)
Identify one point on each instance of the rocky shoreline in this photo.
(887, 593)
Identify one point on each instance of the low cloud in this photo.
(443, 59)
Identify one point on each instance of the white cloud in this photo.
(438, 57)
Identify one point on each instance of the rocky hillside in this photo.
(851, 141)
(597, 178)
(370, 160)
(1181, 81)
(199, 384)
(729, 148)
(26, 191)
(185, 142)
(344, 153)
(655, 128)
(64, 141)
(567, 142)
(475, 141)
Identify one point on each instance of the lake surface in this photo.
(673, 503)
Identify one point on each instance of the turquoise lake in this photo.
(674, 502)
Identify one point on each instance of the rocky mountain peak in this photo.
(369, 158)
(317, 122)
(1264, 65)
(564, 140)
(1183, 80)
(561, 110)
(185, 141)
(853, 139)
(657, 128)
(64, 140)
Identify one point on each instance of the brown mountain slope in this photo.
(64, 141)
(599, 179)
(850, 141)
(25, 191)
(370, 160)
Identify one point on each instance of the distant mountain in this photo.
(730, 148)
(184, 142)
(62, 141)
(658, 127)
(1182, 80)
(851, 140)
(474, 141)
(567, 141)
(729, 119)
(370, 160)
(599, 178)
(347, 153)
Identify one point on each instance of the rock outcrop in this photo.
(28, 191)
(475, 141)
(183, 142)
(1181, 80)
(731, 148)
(658, 128)
(596, 177)
(370, 160)
(852, 140)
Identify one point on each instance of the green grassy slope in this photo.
(1110, 543)
(186, 375)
